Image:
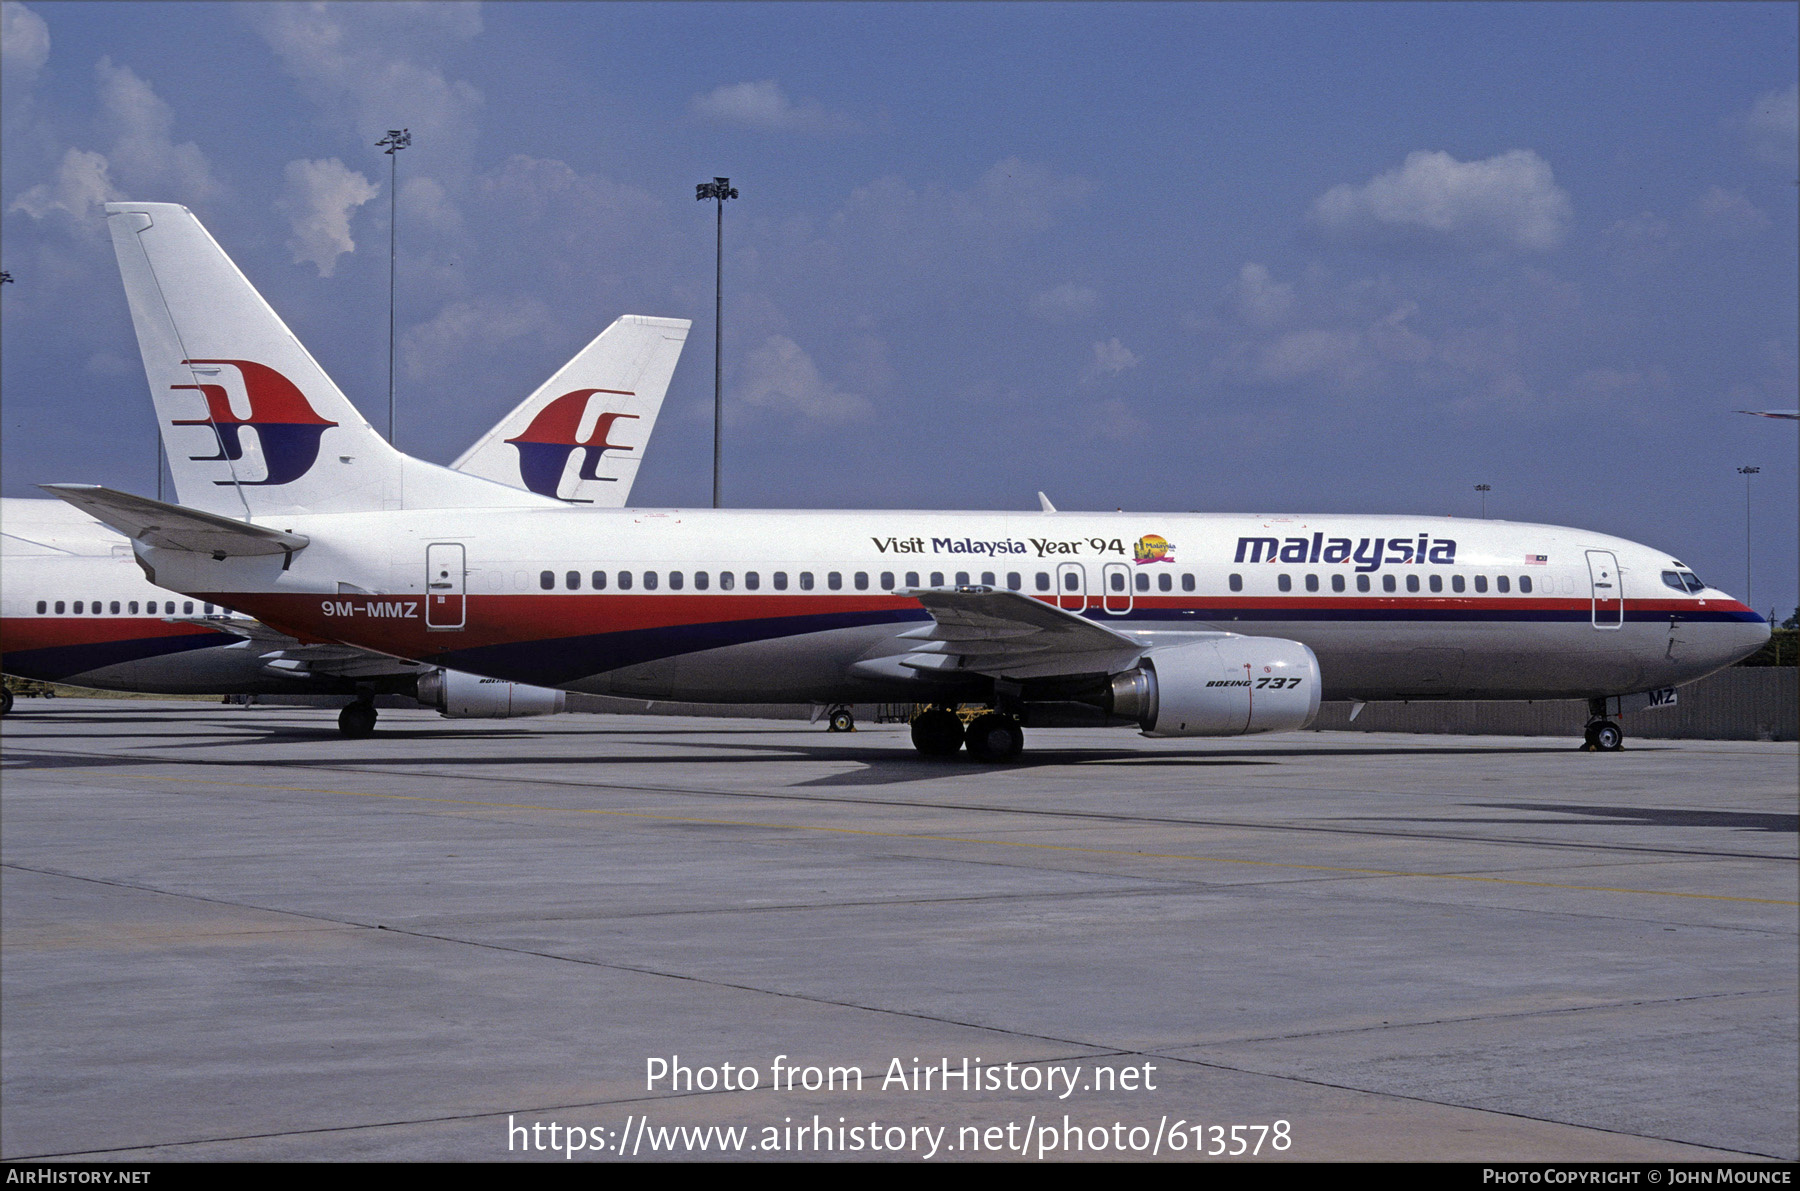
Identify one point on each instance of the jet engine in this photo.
(457, 695)
(1232, 686)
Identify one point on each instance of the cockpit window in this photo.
(1683, 581)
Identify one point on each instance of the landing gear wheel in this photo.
(357, 720)
(6, 701)
(840, 720)
(995, 737)
(1607, 736)
(937, 733)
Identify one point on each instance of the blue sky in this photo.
(1282, 257)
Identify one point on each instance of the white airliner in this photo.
(1178, 624)
(75, 608)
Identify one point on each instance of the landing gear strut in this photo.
(357, 720)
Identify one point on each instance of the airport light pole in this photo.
(1484, 489)
(719, 189)
(1747, 472)
(396, 140)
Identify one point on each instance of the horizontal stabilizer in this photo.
(172, 527)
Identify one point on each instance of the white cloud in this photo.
(24, 41)
(144, 153)
(1259, 299)
(465, 331)
(1110, 359)
(1509, 200)
(780, 378)
(371, 65)
(83, 182)
(1729, 214)
(320, 198)
(1065, 303)
(1772, 127)
(765, 107)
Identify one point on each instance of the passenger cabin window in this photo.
(1236, 583)
(547, 580)
(598, 579)
(674, 580)
(187, 608)
(1312, 583)
(1524, 584)
(987, 579)
(860, 580)
(1118, 581)
(1143, 581)
(1387, 583)
(752, 581)
(649, 580)
(115, 608)
(1165, 582)
(1284, 582)
(1456, 583)
(937, 578)
(780, 580)
(1412, 583)
(701, 582)
(1014, 581)
(1501, 584)
(1362, 583)
(887, 580)
(59, 608)
(572, 580)
(962, 578)
(1481, 584)
(835, 580)
(727, 581)
(624, 580)
(1337, 583)
(78, 604)
(42, 607)
(912, 578)
(1043, 580)
(806, 581)
(1187, 582)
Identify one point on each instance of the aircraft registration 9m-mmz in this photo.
(1177, 624)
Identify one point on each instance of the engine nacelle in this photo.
(1229, 687)
(458, 696)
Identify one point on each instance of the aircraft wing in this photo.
(238, 626)
(1007, 633)
(336, 661)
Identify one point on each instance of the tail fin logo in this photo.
(546, 444)
(288, 429)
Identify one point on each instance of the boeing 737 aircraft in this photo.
(579, 438)
(1178, 624)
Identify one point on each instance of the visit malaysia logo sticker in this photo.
(1153, 548)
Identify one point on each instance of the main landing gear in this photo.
(938, 732)
(357, 720)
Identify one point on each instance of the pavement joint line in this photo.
(950, 839)
(807, 799)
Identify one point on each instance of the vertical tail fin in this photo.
(252, 424)
(581, 436)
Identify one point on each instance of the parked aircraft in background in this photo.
(75, 608)
(1178, 624)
